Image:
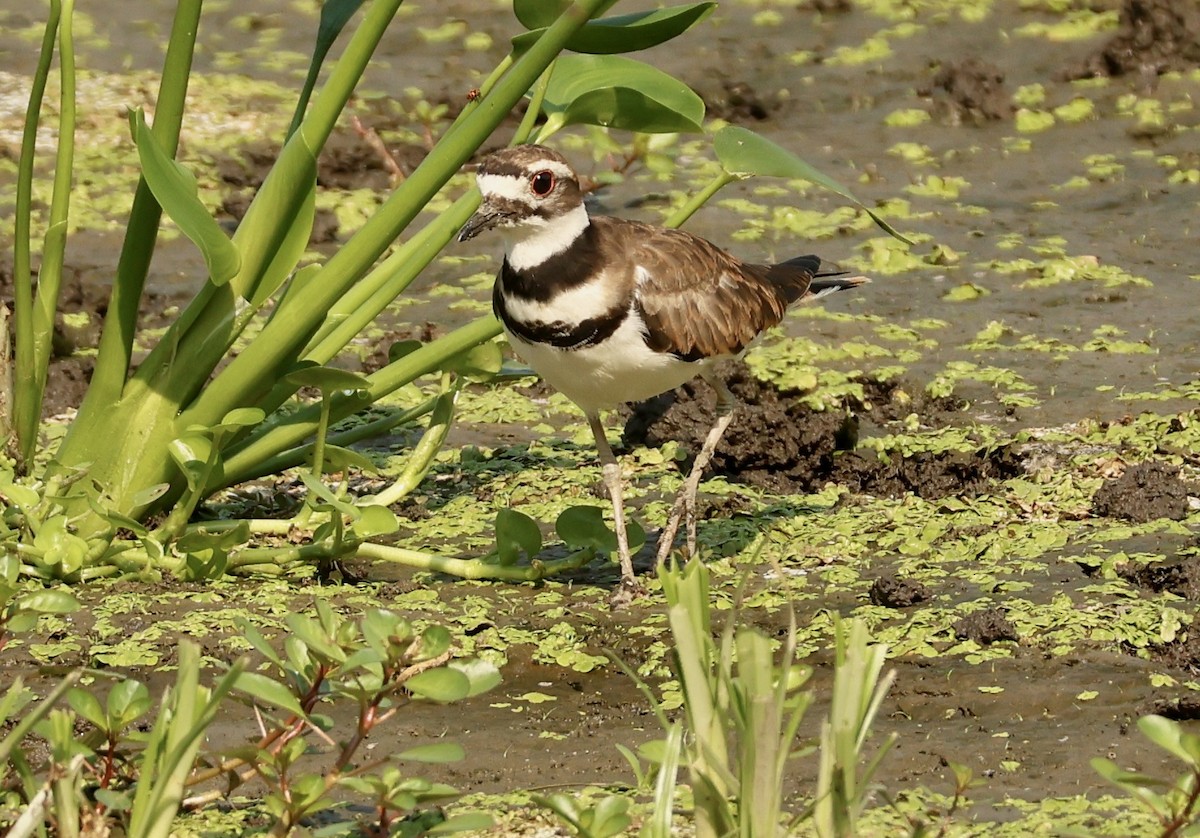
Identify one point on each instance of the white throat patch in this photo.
(532, 243)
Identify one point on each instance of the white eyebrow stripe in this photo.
(505, 186)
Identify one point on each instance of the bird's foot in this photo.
(626, 592)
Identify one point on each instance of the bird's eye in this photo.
(542, 183)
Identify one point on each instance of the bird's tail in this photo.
(824, 278)
(830, 283)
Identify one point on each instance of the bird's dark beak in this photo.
(485, 218)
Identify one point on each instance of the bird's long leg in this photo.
(611, 471)
(685, 504)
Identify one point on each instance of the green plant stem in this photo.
(529, 120)
(144, 421)
(357, 433)
(421, 458)
(246, 463)
(360, 305)
(26, 398)
(141, 232)
(700, 199)
(318, 456)
(45, 305)
(242, 380)
(473, 568)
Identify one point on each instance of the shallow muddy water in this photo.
(1056, 252)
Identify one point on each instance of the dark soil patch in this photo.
(986, 627)
(898, 592)
(82, 292)
(778, 443)
(1145, 492)
(1181, 578)
(1182, 653)
(1184, 708)
(739, 101)
(969, 90)
(1155, 37)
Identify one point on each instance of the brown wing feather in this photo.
(698, 301)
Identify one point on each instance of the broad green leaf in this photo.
(61, 550)
(442, 684)
(327, 379)
(22, 496)
(376, 520)
(243, 417)
(609, 817)
(435, 640)
(516, 533)
(624, 33)
(268, 691)
(1166, 734)
(617, 92)
(205, 564)
(402, 348)
(201, 538)
(48, 602)
(127, 701)
(584, 526)
(437, 752)
(535, 14)
(480, 363)
(338, 458)
(481, 674)
(190, 448)
(745, 154)
(114, 801)
(255, 638)
(149, 495)
(88, 707)
(174, 187)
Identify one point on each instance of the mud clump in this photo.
(927, 475)
(1183, 653)
(779, 444)
(986, 627)
(898, 592)
(1181, 578)
(1184, 708)
(1154, 37)
(974, 90)
(739, 101)
(1145, 492)
(773, 442)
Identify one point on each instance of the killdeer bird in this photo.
(609, 311)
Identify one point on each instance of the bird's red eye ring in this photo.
(542, 183)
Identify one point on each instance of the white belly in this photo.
(620, 369)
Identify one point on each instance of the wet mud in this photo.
(969, 90)
(777, 443)
(1144, 492)
(1024, 711)
(1155, 37)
